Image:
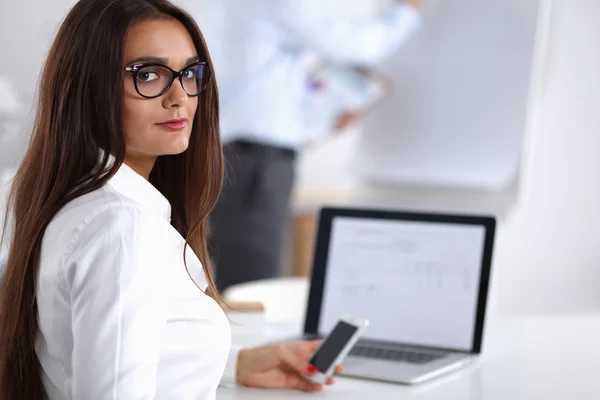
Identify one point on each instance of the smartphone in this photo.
(336, 346)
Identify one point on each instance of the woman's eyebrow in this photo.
(160, 60)
(151, 60)
(192, 60)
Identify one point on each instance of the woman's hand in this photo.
(280, 366)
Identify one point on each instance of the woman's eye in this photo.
(147, 76)
(189, 74)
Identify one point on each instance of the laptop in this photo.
(420, 278)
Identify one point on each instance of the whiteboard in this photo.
(462, 88)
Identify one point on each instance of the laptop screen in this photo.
(418, 282)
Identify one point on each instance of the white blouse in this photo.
(119, 315)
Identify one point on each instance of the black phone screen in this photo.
(331, 347)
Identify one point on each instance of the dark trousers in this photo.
(247, 226)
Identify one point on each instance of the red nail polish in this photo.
(311, 369)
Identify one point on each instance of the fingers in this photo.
(305, 349)
(338, 370)
(290, 359)
(308, 386)
(310, 346)
(299, 382)
(294, 357)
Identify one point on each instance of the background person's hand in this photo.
(418, 4)
(347, 119)
(280, 366)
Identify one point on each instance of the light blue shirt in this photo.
(258, 47)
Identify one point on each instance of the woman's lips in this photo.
(174, 125)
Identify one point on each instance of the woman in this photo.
(107, 292)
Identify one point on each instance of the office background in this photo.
(547, 257)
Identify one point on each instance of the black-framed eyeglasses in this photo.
(153, 80)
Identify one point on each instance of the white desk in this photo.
(527, 358)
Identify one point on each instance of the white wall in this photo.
(27, 28)
(548, 246)
(26, 31)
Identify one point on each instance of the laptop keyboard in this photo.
(406, 355)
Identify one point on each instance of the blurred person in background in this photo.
(259, 48)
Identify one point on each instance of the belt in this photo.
(260, 148)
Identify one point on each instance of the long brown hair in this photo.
(79, 112)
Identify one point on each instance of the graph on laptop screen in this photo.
(417, 282)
